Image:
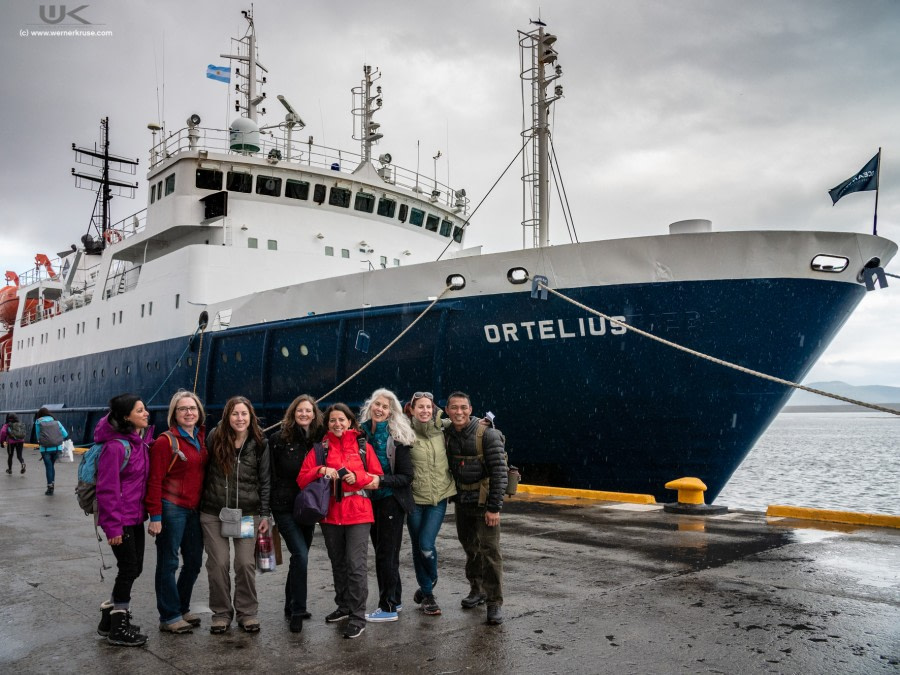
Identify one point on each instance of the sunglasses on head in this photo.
(423, 394)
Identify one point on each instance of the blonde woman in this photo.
(388, 431)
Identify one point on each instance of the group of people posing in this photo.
(397, 467)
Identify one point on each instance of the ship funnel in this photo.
(690, 226)
(244, 135)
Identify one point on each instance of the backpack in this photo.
(15, 431)
(86, 490)
(51, 434)
(513, 476)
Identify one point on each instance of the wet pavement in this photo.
(590, 587)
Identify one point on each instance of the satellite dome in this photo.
(244, 135)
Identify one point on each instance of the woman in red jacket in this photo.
(178, 462)
(346, 527)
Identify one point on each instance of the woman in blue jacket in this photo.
(50, 435)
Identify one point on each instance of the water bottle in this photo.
(265, 553)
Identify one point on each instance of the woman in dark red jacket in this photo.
(178, 462)
(346, 527)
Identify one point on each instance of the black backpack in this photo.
(16, 431)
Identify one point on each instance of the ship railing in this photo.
(308, 154)
(127, 227)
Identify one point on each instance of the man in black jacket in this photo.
(480, 484)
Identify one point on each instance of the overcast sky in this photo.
(742, 113)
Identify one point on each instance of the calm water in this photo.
(846, 461)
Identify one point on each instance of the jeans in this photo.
(298, 539)
(49, 461)
(387, 536)
(484, 562)
(180, 531)
(130, 559)
(424, 522)
(348, 548)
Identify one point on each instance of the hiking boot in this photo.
(297, 623)
(337, 615)
(418, 596)
(473, 599)
(495, 615)
(430, 606)
(354, 630)
(121, 632)
(381, 616)
(250, 625)
(178, 627)
(104, 625)
(9, 470)
(49, 489)
(192, 619)
(218, 626)
(23, 468)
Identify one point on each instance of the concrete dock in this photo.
(590, 587)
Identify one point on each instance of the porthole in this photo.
(237, 357)
(304, 350)
(148, 367)
(190, 361)
(116, 370)
(156, 363)
(128, 370)
(79, 377)
(224, 358)
(94, 375)
(284, 352)
(103, 372)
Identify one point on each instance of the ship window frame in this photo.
(296, 189)
(152, 193)
(432, 222)
(416, 217)
(458, 234)
(339, 196)
(329, 251)
(364, 202)
(272, 244)
(262, 188)
(208, 179)
(252, 242)
(236, 181)
(319, 193)
(387, 207)
(404, 212)
(446, 228)
(170, 184)
(345, 253)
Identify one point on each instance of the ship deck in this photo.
(589, 587)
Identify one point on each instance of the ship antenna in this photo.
(248, 106)
(542, 56)
(365, 105)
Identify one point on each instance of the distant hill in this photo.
(872, 393)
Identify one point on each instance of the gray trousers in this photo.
(218, 564)
(484, 561)
(348, 549)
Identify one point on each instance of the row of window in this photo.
(76, 377)
(156, 191)
(271, 186)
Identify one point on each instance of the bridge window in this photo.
(457, 234)
(252, 242)
(319, 194)
(273, 244)
(339, 197)
(239, 182)
(296, 189)
(386, 207)
(416, 217)
(404, 209)
(364, 202)
(432, 223)
(268, 185)
(170, 184)
(345, 252)
(209, 179)
(446, 228)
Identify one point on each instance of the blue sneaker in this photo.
(379, 616)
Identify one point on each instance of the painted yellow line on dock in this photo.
(599, 495)
(831, 516)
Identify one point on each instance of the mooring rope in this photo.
(713, 359)
(379, 354)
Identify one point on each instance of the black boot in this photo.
(103, 626)
(121, 632)
(49, 489)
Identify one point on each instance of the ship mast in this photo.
(365, 105)
(539, 57)
(249, 100)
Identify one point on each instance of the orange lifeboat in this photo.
(9, 301)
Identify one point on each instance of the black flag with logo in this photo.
(864, 179)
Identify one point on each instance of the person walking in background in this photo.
(481, 478)
(346, 527)
(122, 471)
(50, 435)
(289, 445)
(432, 486)
(12, 434)
(238, 476)
(178, 462)
(388, 432)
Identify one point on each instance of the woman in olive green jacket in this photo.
(432, 485)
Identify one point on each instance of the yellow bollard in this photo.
(690, 490)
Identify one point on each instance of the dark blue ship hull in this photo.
(581, 404)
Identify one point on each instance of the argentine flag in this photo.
(220, 73)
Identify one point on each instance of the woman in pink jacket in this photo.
(346, 527)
